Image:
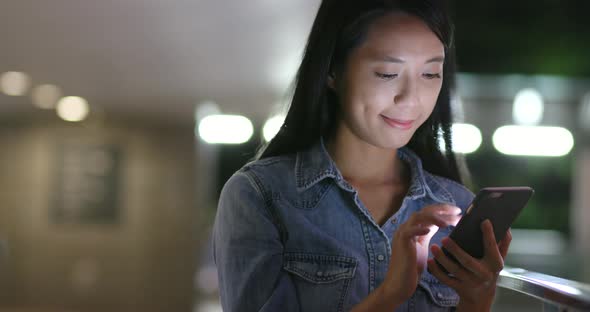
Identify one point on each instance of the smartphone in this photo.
(501, 205)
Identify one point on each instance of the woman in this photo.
(347, 207)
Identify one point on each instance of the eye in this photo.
(386, 76)
(431, 76)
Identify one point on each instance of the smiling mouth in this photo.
(403, 124)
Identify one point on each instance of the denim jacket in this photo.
(291, 234)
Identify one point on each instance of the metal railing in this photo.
(557, 294)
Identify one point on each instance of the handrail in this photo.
(552, 290)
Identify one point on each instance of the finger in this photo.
(435, 270)
(505, 244)
(450, 220)
(443, 209)
(413, 231)
(492, 255)
(428, 219)
(466, 260)
(451, 266)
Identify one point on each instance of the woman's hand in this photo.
(410, 249)
(473, 279)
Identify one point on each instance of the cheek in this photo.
(429, 99)
(367, 98)
(378, 97)
(384, 95)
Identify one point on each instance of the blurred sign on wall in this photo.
(86, 184)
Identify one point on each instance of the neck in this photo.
(362, 163)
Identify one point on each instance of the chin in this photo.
(390, 143)
(385, 139)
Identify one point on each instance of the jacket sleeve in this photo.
(248, 251)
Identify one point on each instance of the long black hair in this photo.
(340, 27)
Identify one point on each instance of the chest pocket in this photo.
(439, 296)
(321, 281)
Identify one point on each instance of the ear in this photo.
(332, 81)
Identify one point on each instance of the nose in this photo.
(407, 94)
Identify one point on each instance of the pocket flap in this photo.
(318, 268)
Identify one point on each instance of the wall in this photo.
(145, 261)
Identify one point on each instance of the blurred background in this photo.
(120, 121)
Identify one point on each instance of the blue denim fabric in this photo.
(292, 235)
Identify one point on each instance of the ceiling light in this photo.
(225, 129)
(528, 107)
(533, 141)
(72, 108)
(15, 83)
(272, 127)
(466, 138)
(46, 96)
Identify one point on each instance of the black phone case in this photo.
(501, 205)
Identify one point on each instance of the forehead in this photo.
(403, 35)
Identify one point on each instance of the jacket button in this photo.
(380, 257)
(320, 273)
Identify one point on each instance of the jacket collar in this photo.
(315, 164)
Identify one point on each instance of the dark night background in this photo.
(526, 37)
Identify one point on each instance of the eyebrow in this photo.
(436, 59)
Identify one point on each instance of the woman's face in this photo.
(391, 82)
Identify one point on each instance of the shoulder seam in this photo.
(267, 198)
(255, 182)
(451, 181)
(266, 161)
